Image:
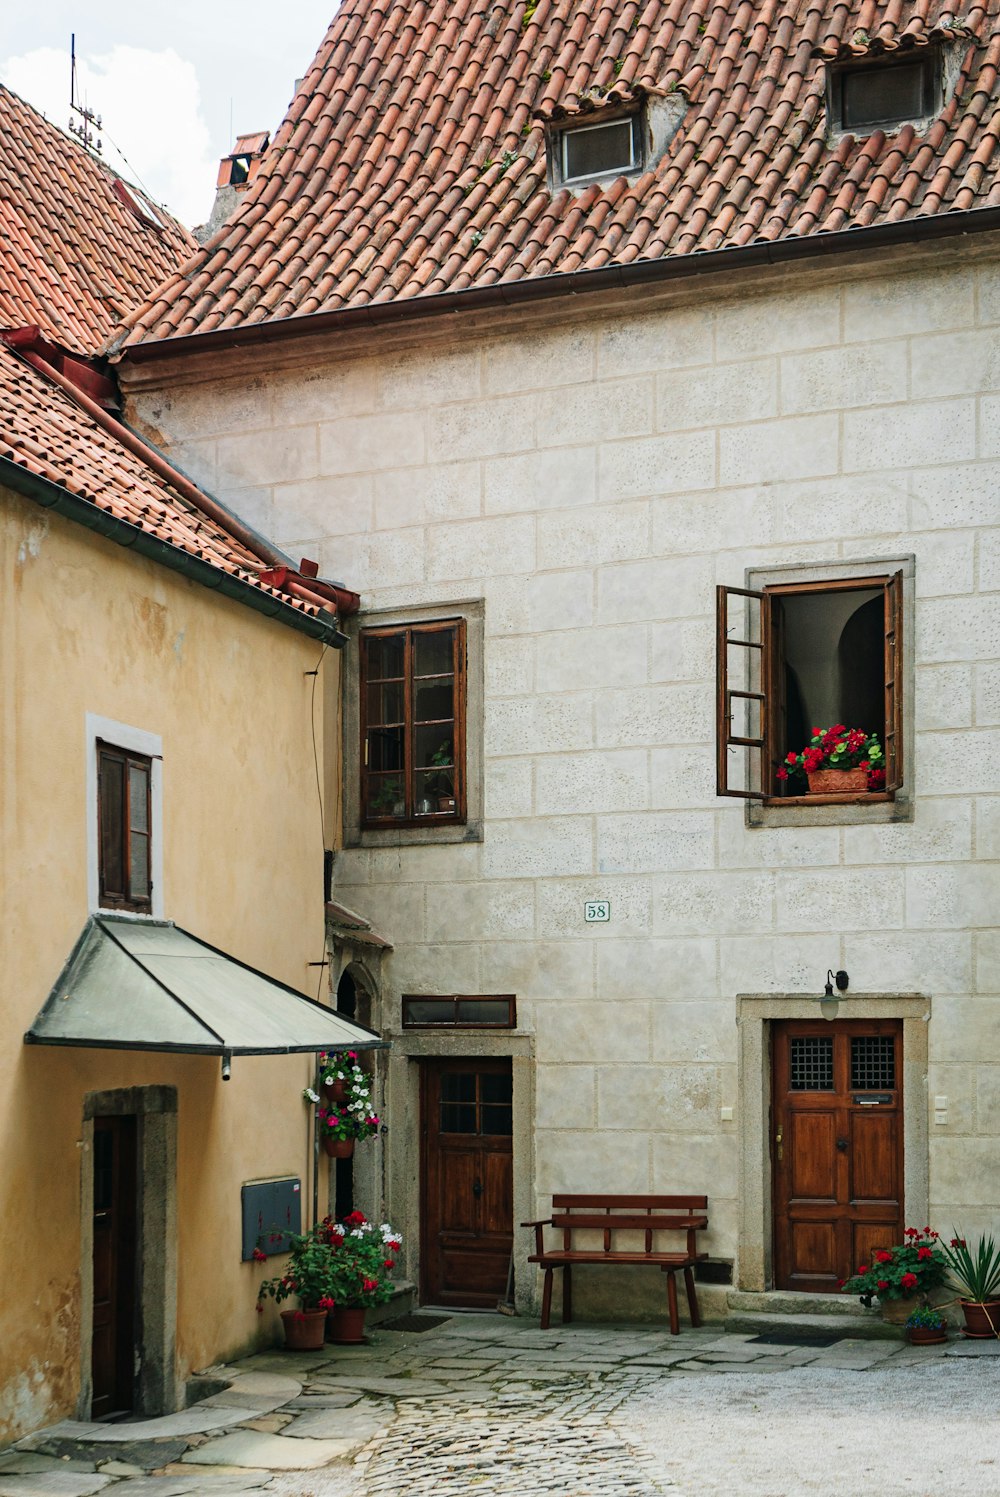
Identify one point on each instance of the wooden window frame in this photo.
(459, 662)
(767, 650)
(129, 759)
(455, 999)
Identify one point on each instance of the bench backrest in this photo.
(638, 1213)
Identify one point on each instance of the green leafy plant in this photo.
(924, 1318)
(974, 1271)
(308, 1274)
(362, 1258)
(385, 797)
(354, 1117)
(838, 747)
(911, 1267)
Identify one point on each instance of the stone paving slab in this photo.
(267, 1452)
(55, 1483)
(358, 1425)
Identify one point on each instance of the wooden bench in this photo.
(649, 1216)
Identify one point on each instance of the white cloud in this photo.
(154, 130)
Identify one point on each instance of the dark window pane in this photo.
(385, 749)
(385, 703)
(601, 148)
(384, 796)
(103, 1169)
(434, 699)
(138, 797)
(112, 815)
(497, 1120)
(433, 746)
(484, 1011)
(811, 1064)
(880, 96)
(428, 1011)
(873, 1062)
(138, 876)
(458, 1086)
(495, 1088)
(386, 654)
(458, 1117)
(433, 652)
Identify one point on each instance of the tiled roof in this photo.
(412, 159)
(45, 433)
(75, 257)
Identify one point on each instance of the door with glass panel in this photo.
(836, 1148)
(466, 1181)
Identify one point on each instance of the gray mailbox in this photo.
(272, 1209)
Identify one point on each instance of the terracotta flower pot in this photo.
(838, 781)
(335, 1091)
(303, 1329)
(347, 1325)
(982, 1319)
(925, 1335)
(898, 1311)
(339, 1148)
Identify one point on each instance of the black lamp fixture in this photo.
(829, 1004)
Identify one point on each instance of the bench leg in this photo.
(675, 1324)
(547, 1299)
(692, 1297)
(567, 1303)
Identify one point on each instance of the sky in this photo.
(174, 84)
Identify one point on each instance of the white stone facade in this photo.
(591, 468)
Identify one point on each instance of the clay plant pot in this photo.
(982, 1319)
(303, 1329)
(346, 1325)
(339, 1148)
(925, 1335)
(838, 782)
(335, 1091)
(898, 1311)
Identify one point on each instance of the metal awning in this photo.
(148, 985)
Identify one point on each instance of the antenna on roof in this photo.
(89, 121)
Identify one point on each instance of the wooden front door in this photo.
(114, 1325)
(837, 1148)
(467, 1213)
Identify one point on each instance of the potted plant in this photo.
(976, 1273)
(348, 1114)
(838, 761)
(900, 1277)
(388, 799)
(308, 1275)
(362, 1259)
(442, 784)
(925, 1327)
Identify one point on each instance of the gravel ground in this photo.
(911, 1432)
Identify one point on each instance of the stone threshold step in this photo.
(852, 1327)
(787, 1302)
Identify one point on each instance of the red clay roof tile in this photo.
(390, 179)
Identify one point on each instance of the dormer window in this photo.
(611, 148)
(885, 95)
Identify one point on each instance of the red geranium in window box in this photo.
(838, 761)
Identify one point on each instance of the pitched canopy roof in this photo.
(412, 161)
(81, 248)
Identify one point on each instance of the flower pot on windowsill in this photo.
(304, 1329)
(982, 1319)
(838, 782)
(339, 1148)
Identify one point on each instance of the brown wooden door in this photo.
(113, 1342)
(467, 1183)
(837, 1148)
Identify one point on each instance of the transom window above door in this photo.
(413, 724)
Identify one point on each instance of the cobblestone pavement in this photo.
(481, 1404)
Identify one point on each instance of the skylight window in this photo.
(883, 96)
(611, 148)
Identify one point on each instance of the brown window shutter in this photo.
(111, 795)
(894, 682)
(758, 784)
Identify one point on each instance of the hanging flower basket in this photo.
(338, 1148)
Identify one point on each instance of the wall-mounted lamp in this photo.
(829, 1004)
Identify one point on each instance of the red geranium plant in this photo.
(914, 1266)
(838, 747)
(363, 1256)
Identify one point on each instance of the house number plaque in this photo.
(596, 910)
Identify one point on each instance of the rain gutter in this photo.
(84, 512)
(575, 283)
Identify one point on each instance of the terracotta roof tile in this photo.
(76, 257)
(412, 161)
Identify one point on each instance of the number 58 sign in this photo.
(596, 910)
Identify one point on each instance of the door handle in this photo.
(477, 1189)
(777, 1142)
(842, 1145)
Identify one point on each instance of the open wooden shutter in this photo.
(758, 777)
(894, 682)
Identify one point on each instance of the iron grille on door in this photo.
(873, 1063)
(811, 1064)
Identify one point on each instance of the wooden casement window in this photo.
(124, 817)
(413, 715)
(800, 654)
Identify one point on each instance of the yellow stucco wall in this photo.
(88, 627)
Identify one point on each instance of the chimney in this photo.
(236, 172)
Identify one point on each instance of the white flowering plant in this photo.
(347, 1111)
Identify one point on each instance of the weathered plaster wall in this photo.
(88, 627)
(593, 470)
